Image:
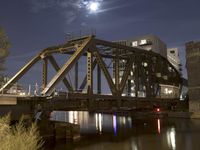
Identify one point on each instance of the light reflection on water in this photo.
(158, 125)
(92, 122)
(171, 139)
(115, 124)
(124, 132)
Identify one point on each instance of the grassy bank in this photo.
(19, 136)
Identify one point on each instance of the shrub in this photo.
(19, 137)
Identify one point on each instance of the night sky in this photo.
(32, 25)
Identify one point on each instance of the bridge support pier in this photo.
(119, 103)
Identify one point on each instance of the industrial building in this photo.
(147, 42)
(154, 44)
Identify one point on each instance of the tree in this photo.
(4, 46)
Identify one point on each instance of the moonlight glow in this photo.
(93, 6)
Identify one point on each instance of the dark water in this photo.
(112, 132)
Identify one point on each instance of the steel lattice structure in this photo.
(147, 69)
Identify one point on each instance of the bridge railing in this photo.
(79, 33)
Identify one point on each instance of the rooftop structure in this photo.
(173, 58)
(147, 42)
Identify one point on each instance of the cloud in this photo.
(114, 8)
(39, 5)
(69, 8)
(70, 16)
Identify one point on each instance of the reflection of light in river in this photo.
(171, 139)
(122, 120)
(133, 145)
(115, 124)
(94, 122)
(73, 115)
(98, 120)
(100, 123)
(158, 122)
(71, 119)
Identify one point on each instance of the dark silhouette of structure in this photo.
(193, 69)
(147, 69)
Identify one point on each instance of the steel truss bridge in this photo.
(145, 69)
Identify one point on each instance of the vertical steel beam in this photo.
(98, 80)
(137, 83)
(44, 72)
(76, 76)
(89, 73)
(149, 76)
(84, 82)
(153, 76)
(146, 76)
(116, 67)
(57, 68)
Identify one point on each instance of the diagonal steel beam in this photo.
(129, 66)
(84, 82)
(19, 74)
(57, 68)
(105, 71)
(44, 72)
(67, 66)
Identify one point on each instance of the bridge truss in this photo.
(132, 68)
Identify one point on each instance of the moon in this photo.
(93, 6)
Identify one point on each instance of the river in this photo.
(112, 132)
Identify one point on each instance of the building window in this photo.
(172, 52)
(134, 43)
(143, 42)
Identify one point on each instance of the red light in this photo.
(157, 109)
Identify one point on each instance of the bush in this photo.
(19, 137)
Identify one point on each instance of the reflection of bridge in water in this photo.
(111, 131)
(128, 71)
